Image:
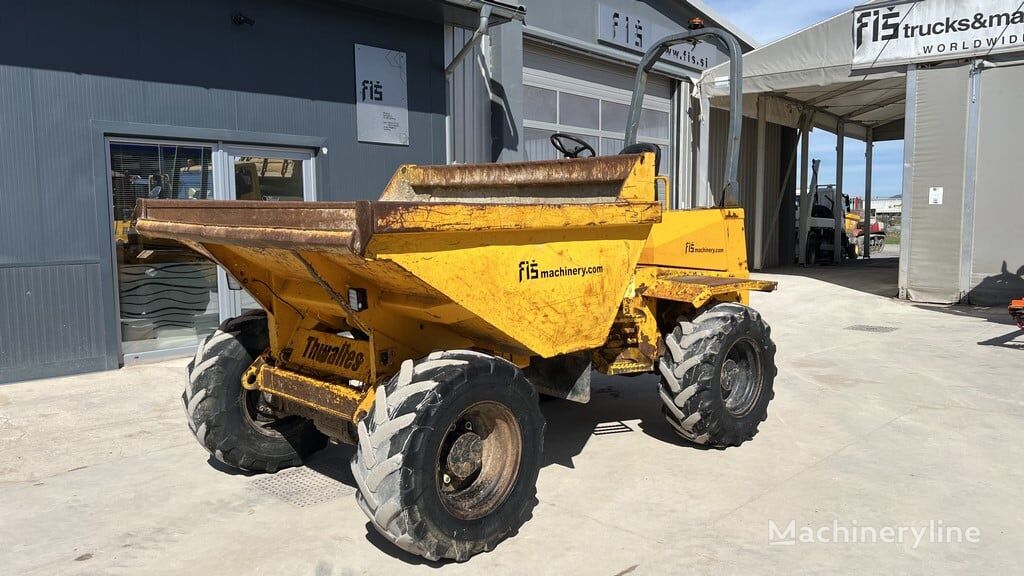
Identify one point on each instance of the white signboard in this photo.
(935, 195)
(629, 31)
(931, 30)
(382, 96)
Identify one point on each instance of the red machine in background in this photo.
(1017, 312)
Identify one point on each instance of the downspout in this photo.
(481, 31)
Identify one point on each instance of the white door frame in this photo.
(228, 291)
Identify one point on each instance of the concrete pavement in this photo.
(912, 419)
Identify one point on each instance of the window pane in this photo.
(611, 146)
(578, 111)
(158, 171)
(538, 146)
(540, 104)
(168, 294)
(614, 116)
(655, 124)
(263, 178)
(266, 178)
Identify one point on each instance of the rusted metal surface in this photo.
(536, 173)
(286, 238)
(480, 465)
(335, 400)
(393, 217)
(350, 226)
(324, 225)
(699, 290)
(330, 216)
(719, 282)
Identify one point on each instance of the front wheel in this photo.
(449, 454)
(717, 375)
(235, 425)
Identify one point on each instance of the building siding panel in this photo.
(997, 267)
(19, 205)
(53, 317)
(939, 137)
(131, 61)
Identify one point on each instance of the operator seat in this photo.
(640, 148)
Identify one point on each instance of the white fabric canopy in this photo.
(811, 70)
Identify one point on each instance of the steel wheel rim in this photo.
(741, 377)
(259, 416)
(478, 461)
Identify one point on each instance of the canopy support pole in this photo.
(838, 203)
(805, 198)
(869, 153)
(759, 239)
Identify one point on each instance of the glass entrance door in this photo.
(268, 175)
(167, 294)
(169, 298)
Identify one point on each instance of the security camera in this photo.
(240, 19)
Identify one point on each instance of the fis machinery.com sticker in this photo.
(529, 270)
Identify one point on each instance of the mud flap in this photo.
(566, 376)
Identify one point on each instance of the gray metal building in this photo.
(105, 102)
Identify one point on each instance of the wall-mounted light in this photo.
(239, 19)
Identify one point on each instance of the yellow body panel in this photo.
(547, 292)
(519, 260)
(709, 239)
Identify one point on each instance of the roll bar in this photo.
(730, 193)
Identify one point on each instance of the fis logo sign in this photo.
(881, 24)
(341, 356)
(372, 90)
(692, 248)
(528, 270)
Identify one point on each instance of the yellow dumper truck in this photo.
(421, 327)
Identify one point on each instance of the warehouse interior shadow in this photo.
(878, 275)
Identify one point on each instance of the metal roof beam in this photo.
(802, 104)
(841, 91)
(877, 105)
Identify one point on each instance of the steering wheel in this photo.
(574, 152)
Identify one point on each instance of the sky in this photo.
(769, 20)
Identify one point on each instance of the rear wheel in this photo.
(237, 426)
(449, 454)
(717, 375)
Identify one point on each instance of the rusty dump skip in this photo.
(579, 180)
(488, 197)
(537, 173)
(320, 225)
(551, 240)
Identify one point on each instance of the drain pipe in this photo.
(478, 34)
